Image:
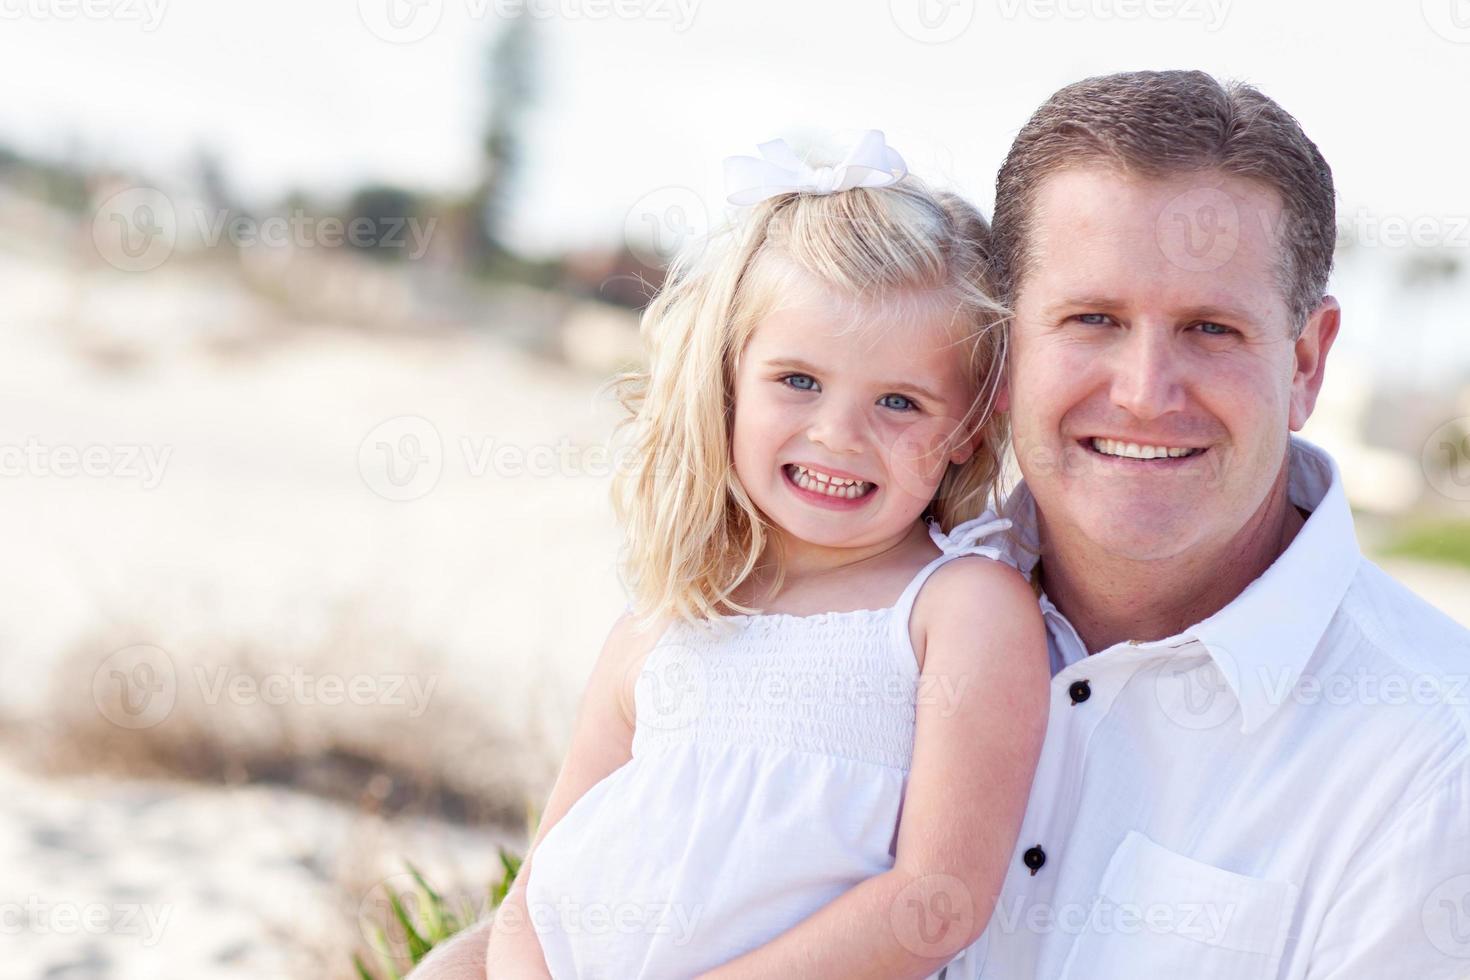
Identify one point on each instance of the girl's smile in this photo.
(823, 488)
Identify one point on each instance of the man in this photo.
(1258, 757)
(1257, 763)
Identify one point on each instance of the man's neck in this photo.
(1108, 599)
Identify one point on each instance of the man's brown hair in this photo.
(1160, 124)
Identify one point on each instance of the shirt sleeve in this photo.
(1404, 908)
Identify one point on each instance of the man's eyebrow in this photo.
(797, 364)
(1208, 312)
(1104, 304)
(1094, 303)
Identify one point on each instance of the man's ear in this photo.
(1311, 359)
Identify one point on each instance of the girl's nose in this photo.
(838, 429)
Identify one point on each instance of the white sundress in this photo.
(767, 773)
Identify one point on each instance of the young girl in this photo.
(806, 749)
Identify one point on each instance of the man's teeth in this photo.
(832, 486)
(1112, 447)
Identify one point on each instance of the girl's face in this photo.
(847, 415)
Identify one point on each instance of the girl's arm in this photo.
(981, 717)
(601, 742)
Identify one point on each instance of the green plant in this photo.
(1446, 541)
(427, 918)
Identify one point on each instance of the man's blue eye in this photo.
(1094, 319)
(1215, 329)
(906, 402)
(801, 382)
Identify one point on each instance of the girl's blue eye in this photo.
(906, 406)
(801, 382)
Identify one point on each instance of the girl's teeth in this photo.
(832, 486)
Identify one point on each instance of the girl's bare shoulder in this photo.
(625, 652)
(976, 597)
(978, 588)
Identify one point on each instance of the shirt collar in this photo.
(1262, 640)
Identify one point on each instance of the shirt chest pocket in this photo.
(1161, 914)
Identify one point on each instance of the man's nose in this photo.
(1146, 373)
(838, 427)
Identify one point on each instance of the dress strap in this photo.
(963, 539)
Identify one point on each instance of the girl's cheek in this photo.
(771, 416)
(763, 429)
(915, 455)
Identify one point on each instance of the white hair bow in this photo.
(870, 163)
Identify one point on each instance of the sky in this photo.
(635, 96)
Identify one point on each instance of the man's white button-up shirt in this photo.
(1280, 791)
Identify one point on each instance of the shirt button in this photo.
(1079, 691)
(1034, 858)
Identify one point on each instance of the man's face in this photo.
(1152, 323)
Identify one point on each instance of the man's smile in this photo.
(1140, 452)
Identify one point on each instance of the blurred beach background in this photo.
(304, 459)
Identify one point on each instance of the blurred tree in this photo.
(510, 78)
(1429, 265)
(214, 183)
(60, 183)
(388, 209)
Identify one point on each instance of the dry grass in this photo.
(439, 784)
(416, 745)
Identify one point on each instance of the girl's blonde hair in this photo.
(693, 533)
